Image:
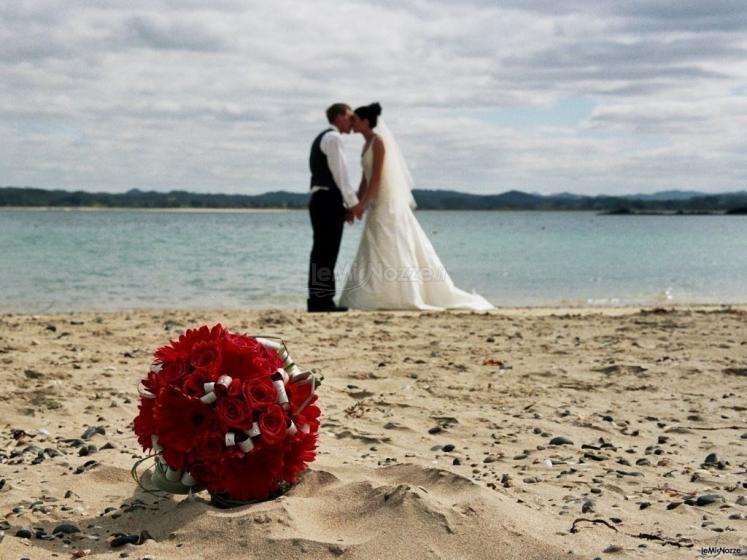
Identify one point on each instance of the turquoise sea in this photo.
(70, 260)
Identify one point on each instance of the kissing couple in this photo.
(396, 266)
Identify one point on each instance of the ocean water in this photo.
(70, 260)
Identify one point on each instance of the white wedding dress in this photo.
(396, 266)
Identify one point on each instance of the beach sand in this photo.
(436, 439)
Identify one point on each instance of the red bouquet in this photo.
(227, 412)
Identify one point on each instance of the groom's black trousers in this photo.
(327, 220)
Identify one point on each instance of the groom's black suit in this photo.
(327, 220)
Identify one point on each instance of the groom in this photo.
(333, 201)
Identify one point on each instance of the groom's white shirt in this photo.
(331, 146)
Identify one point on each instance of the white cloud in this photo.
(158, 94)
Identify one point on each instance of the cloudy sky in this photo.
(598, 96)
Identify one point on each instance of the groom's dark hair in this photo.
(336, 109)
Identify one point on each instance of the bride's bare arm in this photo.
(378, 164)
(362, 187)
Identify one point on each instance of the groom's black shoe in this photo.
(323, 306)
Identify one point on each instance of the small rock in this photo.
(456, 461)
(436, 430)
(560, 440)
(448, 447)
(87, 466)
(587, 507)
(122, 540)
(42, 535)
(613, 548)
(742, 501)
(490, 459)
(65, 528)
(711, 459)
(336, 549)
(87, 450)
(23, 534)
(708, 499)
(644, 505)
(673, 505)
(92, 431)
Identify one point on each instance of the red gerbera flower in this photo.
(253, 476)
(297, 456)
(173, 458)
(145, 425)
(210, 448)
(180, 350)
(206, 471)
(182, 420)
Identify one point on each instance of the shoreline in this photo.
(273, 209)
(519, 310)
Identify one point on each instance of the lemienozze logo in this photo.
(716, 551)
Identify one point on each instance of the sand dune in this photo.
(519, 434)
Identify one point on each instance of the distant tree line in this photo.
(674, 202)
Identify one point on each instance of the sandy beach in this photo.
(524, 433)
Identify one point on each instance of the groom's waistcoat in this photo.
(321, 176)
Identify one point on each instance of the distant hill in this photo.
(664, 202)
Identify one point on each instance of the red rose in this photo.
(210, 448)
(238, 351)
(206, 356)
(273, 425)
(234, 389)
(234, 413)
(297, 394)
(172, 372)
(259, 393)
(193, 385)
(264, 362)
(310, 416)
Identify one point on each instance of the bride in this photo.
(396, 266)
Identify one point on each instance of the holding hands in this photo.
(354, 213)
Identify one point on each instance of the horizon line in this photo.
(693, 192)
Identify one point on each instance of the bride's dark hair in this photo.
(370, 113)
